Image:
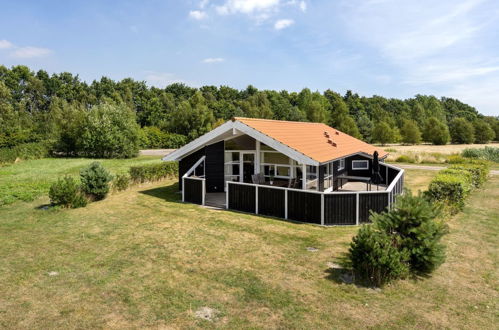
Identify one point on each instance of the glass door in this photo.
(247, 166)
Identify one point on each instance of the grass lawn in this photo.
(142, 259)
(30, 179)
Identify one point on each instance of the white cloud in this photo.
(283, 23)
(303, 6)
(161, 79)
(213, 60)
(246, 6)
(203, 3)
(30, 52)
(197, 14)
(5, 44)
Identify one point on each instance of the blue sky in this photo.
(383, 47)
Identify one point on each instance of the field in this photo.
(429, 148)
(142, 259)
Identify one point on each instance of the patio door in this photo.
(247, 166)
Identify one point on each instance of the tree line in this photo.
(82, 119)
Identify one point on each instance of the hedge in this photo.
(25, 151)
(478, 172)
(153, 172)
(450, 188)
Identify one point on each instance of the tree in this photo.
(383, 133)
(483, 132)
(461, 131)
(108, 131)
(410, 132)
(436, 132)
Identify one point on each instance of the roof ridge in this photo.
(277, 120)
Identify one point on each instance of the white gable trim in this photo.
(239, 126)
(199, 142)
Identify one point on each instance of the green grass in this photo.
(142, 259)
(30, 179)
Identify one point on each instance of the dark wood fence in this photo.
(194, 190)
(324, 208)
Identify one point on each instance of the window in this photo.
(341, 166)
(360, 164)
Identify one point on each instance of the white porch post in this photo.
(257, 157)
(304, 177)
(317, 178)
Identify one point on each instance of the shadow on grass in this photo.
(342, 273)
(168, 193)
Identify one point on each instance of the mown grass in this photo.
(141, 259)
(30, 179)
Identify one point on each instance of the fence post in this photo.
(183, 189)
(203, 191)
(322, 209)
(286, 204)
(256, 199)
(357, 209)
(227, 196)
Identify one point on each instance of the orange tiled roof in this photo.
(315, 140)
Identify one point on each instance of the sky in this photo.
(393, 48)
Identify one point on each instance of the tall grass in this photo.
(487, 153)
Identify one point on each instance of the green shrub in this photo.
(478, 172)
(449, 189)
(66, 192)
(405, 159)
(375, 257)
(121, 182)
(95, 181)
(456, 159)
(154, 138)
(25, 151)
(153, 172)
(487, 153)
(413, 222)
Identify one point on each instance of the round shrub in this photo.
(375, 257)
(66, 192)
(449, 189)
(405, 159)
(95, 181)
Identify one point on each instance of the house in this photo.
(301, 171)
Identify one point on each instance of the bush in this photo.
(456, 159)
(107, 131)
(95, 181)
(153, 172)
(487, 153)
(461, 131)
(449, 189)
(477, 171)
(121, 182)
(154, 138)
(412, 222)
(35, 150)
(66, 192)
(405, 159)
(375, 257)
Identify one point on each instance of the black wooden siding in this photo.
(304, 206)
(193, 191)
(340, 209)
(187, 162)
(242, 198)
(376, 202)
(392, 173)
(271, 202)
(215, 154)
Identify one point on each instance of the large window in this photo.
(277, 165)
(341, 165)
(360, 164)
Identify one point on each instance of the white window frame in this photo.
(365, 167)
(341, 165)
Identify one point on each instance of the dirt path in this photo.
(156, 152)
(432, 168)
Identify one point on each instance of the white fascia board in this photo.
(284, 149)
(199, 142)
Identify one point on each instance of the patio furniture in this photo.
(365, 179)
